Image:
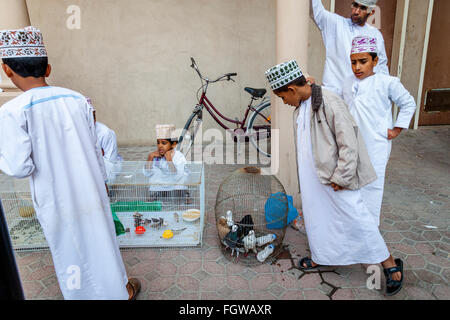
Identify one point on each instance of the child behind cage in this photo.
(166, 167)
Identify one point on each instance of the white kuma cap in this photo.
(367, 3)
(166, 132)
(283, 74)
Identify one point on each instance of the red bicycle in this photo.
(256, 129)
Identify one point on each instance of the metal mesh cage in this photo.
(147, 212)
(251, 216)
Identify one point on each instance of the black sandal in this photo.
(393, 286)
(308, 263)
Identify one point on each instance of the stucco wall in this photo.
(133, 57)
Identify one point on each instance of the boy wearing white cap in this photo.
(166, 166)
(369, 96)
(332, 165)
(48, 134)
(338, 32)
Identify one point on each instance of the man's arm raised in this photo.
(319, 14)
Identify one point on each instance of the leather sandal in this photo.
(308, 263)
(135, 284)
(393, 286)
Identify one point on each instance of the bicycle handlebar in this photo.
(228, 75)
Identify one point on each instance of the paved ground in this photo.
(416, 215)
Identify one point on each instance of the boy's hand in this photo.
(153, 155)
(336, 187)
(169, 155)
(311, 80)
(392, 134)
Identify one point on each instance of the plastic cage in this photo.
(148, 212)
(251, 216)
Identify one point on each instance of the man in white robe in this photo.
(338, 33)
(48, 134)
(369, 99)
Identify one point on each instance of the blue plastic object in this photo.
(275, 211)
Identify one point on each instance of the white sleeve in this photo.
(382, 65)
(15, 145)
(403, 99)
(110, 146)
(321, 16)
(179, 161)
(148, 172)
(98, 149)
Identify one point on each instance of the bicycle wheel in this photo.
(259, 129)
(189, 132)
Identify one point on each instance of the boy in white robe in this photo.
(107, 141)
(166, 167)
(332, 166)
(369, 96)
(48, 134)
(338, 32)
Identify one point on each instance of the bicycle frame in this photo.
(204, 102)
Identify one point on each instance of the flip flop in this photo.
(136, 286)
(393, 286)
(308, 263)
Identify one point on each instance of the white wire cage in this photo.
(148, 211)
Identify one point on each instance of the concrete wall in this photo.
(132, 57)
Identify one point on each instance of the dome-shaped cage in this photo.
(251, 216)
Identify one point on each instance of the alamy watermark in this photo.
(73, 281)
(374, 280)
(73, 22)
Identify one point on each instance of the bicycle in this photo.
(256, 129)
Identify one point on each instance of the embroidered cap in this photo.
(166, 132)
(367, 3)
(22, 43)
(364, 44)
(283, 74)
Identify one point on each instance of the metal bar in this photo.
(424, 63)
(402, 49)
(10, 284)
(333, 6)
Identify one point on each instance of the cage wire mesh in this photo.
(251, 216)
(149, 211)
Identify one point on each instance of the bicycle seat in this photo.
(257, 93)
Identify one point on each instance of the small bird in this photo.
(249, 242)
(231, 240)
(230, 221)
(245, 225)
(222, 227)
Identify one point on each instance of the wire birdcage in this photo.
(164, 212)
(251, 216)
(148, 213)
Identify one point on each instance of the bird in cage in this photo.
(222, 227)
(245, 226)
(232, 241)
(268, 238)
(249, 242)
(230, 221)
